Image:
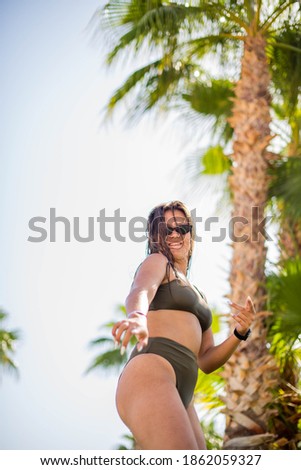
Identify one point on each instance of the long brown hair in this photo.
(156, 228)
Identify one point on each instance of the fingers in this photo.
(249, 306)
(122, 328)
(142, 343)
(243, 321)
(245, 315)
(123, 331)
(235, 305)
(119, 328)
(115, 328)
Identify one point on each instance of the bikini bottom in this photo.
(182, 360)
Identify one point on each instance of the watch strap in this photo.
(242, 337)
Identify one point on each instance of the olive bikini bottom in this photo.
(182, 360)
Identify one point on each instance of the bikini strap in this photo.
(201, 294)
(170, 266)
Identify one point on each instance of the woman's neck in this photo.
(181, 267)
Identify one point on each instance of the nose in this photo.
(174, 234)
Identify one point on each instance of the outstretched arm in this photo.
(212, 357)
(144, 287)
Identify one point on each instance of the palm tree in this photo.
(8, 340)
(284, 325)
(181, 37)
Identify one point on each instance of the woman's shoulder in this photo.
(157, 258)
(153, 260)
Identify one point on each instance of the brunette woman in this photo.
(172, 323)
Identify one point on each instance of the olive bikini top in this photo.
(175, 295)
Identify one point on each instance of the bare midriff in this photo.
(177, 325)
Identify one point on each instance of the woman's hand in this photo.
(245, 315)
(135, 325)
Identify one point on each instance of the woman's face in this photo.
(179, 244)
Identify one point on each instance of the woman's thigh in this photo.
(196, 426)
(150, 405)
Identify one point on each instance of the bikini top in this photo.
(175, 295)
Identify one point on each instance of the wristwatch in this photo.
(242, 337)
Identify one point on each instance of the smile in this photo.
(175, 245)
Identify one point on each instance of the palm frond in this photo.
(215, 162)
(207, 392)
(281, 9)
(100, 341)
(8, 340)
(283, 299)
(207, 182)
(135, 24)
(129, 445)
(157, 85)
(214, 441)
(284, 52)
(286, 185)
(109, 360)
(212, 98)
(109, 357)
(200, 46)
(156, 27)
(139, 77)
(209, 387)
(152, 22)
(8, 365)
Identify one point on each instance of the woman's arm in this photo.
(147, 280)
(212, 357)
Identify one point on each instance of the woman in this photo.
(171, 321)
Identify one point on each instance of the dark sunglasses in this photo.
(180, 229)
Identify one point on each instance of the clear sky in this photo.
(57, 153)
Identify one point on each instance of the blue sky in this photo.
(56, 152)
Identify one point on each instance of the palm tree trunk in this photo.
(251, 372)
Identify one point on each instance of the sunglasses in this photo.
(180, 229)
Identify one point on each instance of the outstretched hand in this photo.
(245, 315)
(135, 326)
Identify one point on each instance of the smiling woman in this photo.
(167, 226)
(172, 323)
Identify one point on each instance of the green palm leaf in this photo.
(109, 358)
(215, 162)
(286, 66)
(286, 185)
(128, 445)
(211, 99)
(132, 81)
(209, 387)
(283, 299)
(8, 341)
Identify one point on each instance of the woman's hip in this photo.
(182, 360)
